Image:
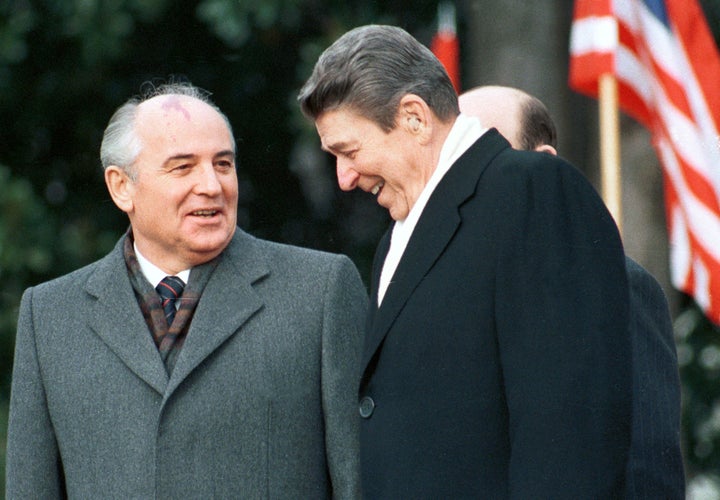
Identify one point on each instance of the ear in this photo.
(546, 148)
(414, 115)
(120, 186)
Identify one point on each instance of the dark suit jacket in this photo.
(655, 468)
(498, 365)
(261, 402)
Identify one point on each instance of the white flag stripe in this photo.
(635, 74)
(594, 34)
(680, 253)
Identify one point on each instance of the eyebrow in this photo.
(190, 156)
(338, 146)
(227, 152)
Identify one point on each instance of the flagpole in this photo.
(610, 147)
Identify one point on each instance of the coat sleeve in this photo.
(562, 323)
(655, 468)
(344, 312)
(33, 467)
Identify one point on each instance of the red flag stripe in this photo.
(445, 44)
(668, 69)
(446, 48)
(586, 66)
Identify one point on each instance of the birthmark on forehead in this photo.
(173, 103)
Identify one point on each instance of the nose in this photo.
(208, 182)
(347, 177)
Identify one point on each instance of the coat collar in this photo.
(226, 304)
(434, 231)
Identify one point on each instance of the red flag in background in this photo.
(668, 73)
(445, 44)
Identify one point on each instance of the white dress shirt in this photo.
(154, 274)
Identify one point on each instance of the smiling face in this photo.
(182, 198)
(386, 164)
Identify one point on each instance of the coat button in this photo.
(367, 407)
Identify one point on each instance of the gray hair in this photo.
(121, 145)
(370, 69)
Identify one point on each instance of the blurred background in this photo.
(65, 65)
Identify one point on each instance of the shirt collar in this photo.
(153, 273)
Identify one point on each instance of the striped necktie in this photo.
(170, 290)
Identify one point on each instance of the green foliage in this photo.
(234, 22)
(15, 23)
(26, 240)
(698, 342)
(81, 19)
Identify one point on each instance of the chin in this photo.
(398, 215)
(213, 244)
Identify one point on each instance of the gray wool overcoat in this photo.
(261, 402)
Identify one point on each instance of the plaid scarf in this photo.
(168, 339)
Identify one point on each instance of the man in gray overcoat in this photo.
(194, 360)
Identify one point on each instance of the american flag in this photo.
(668, 72)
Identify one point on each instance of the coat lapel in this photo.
(227, 302)
(434, 231)
(380, 253)
(116, 318)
